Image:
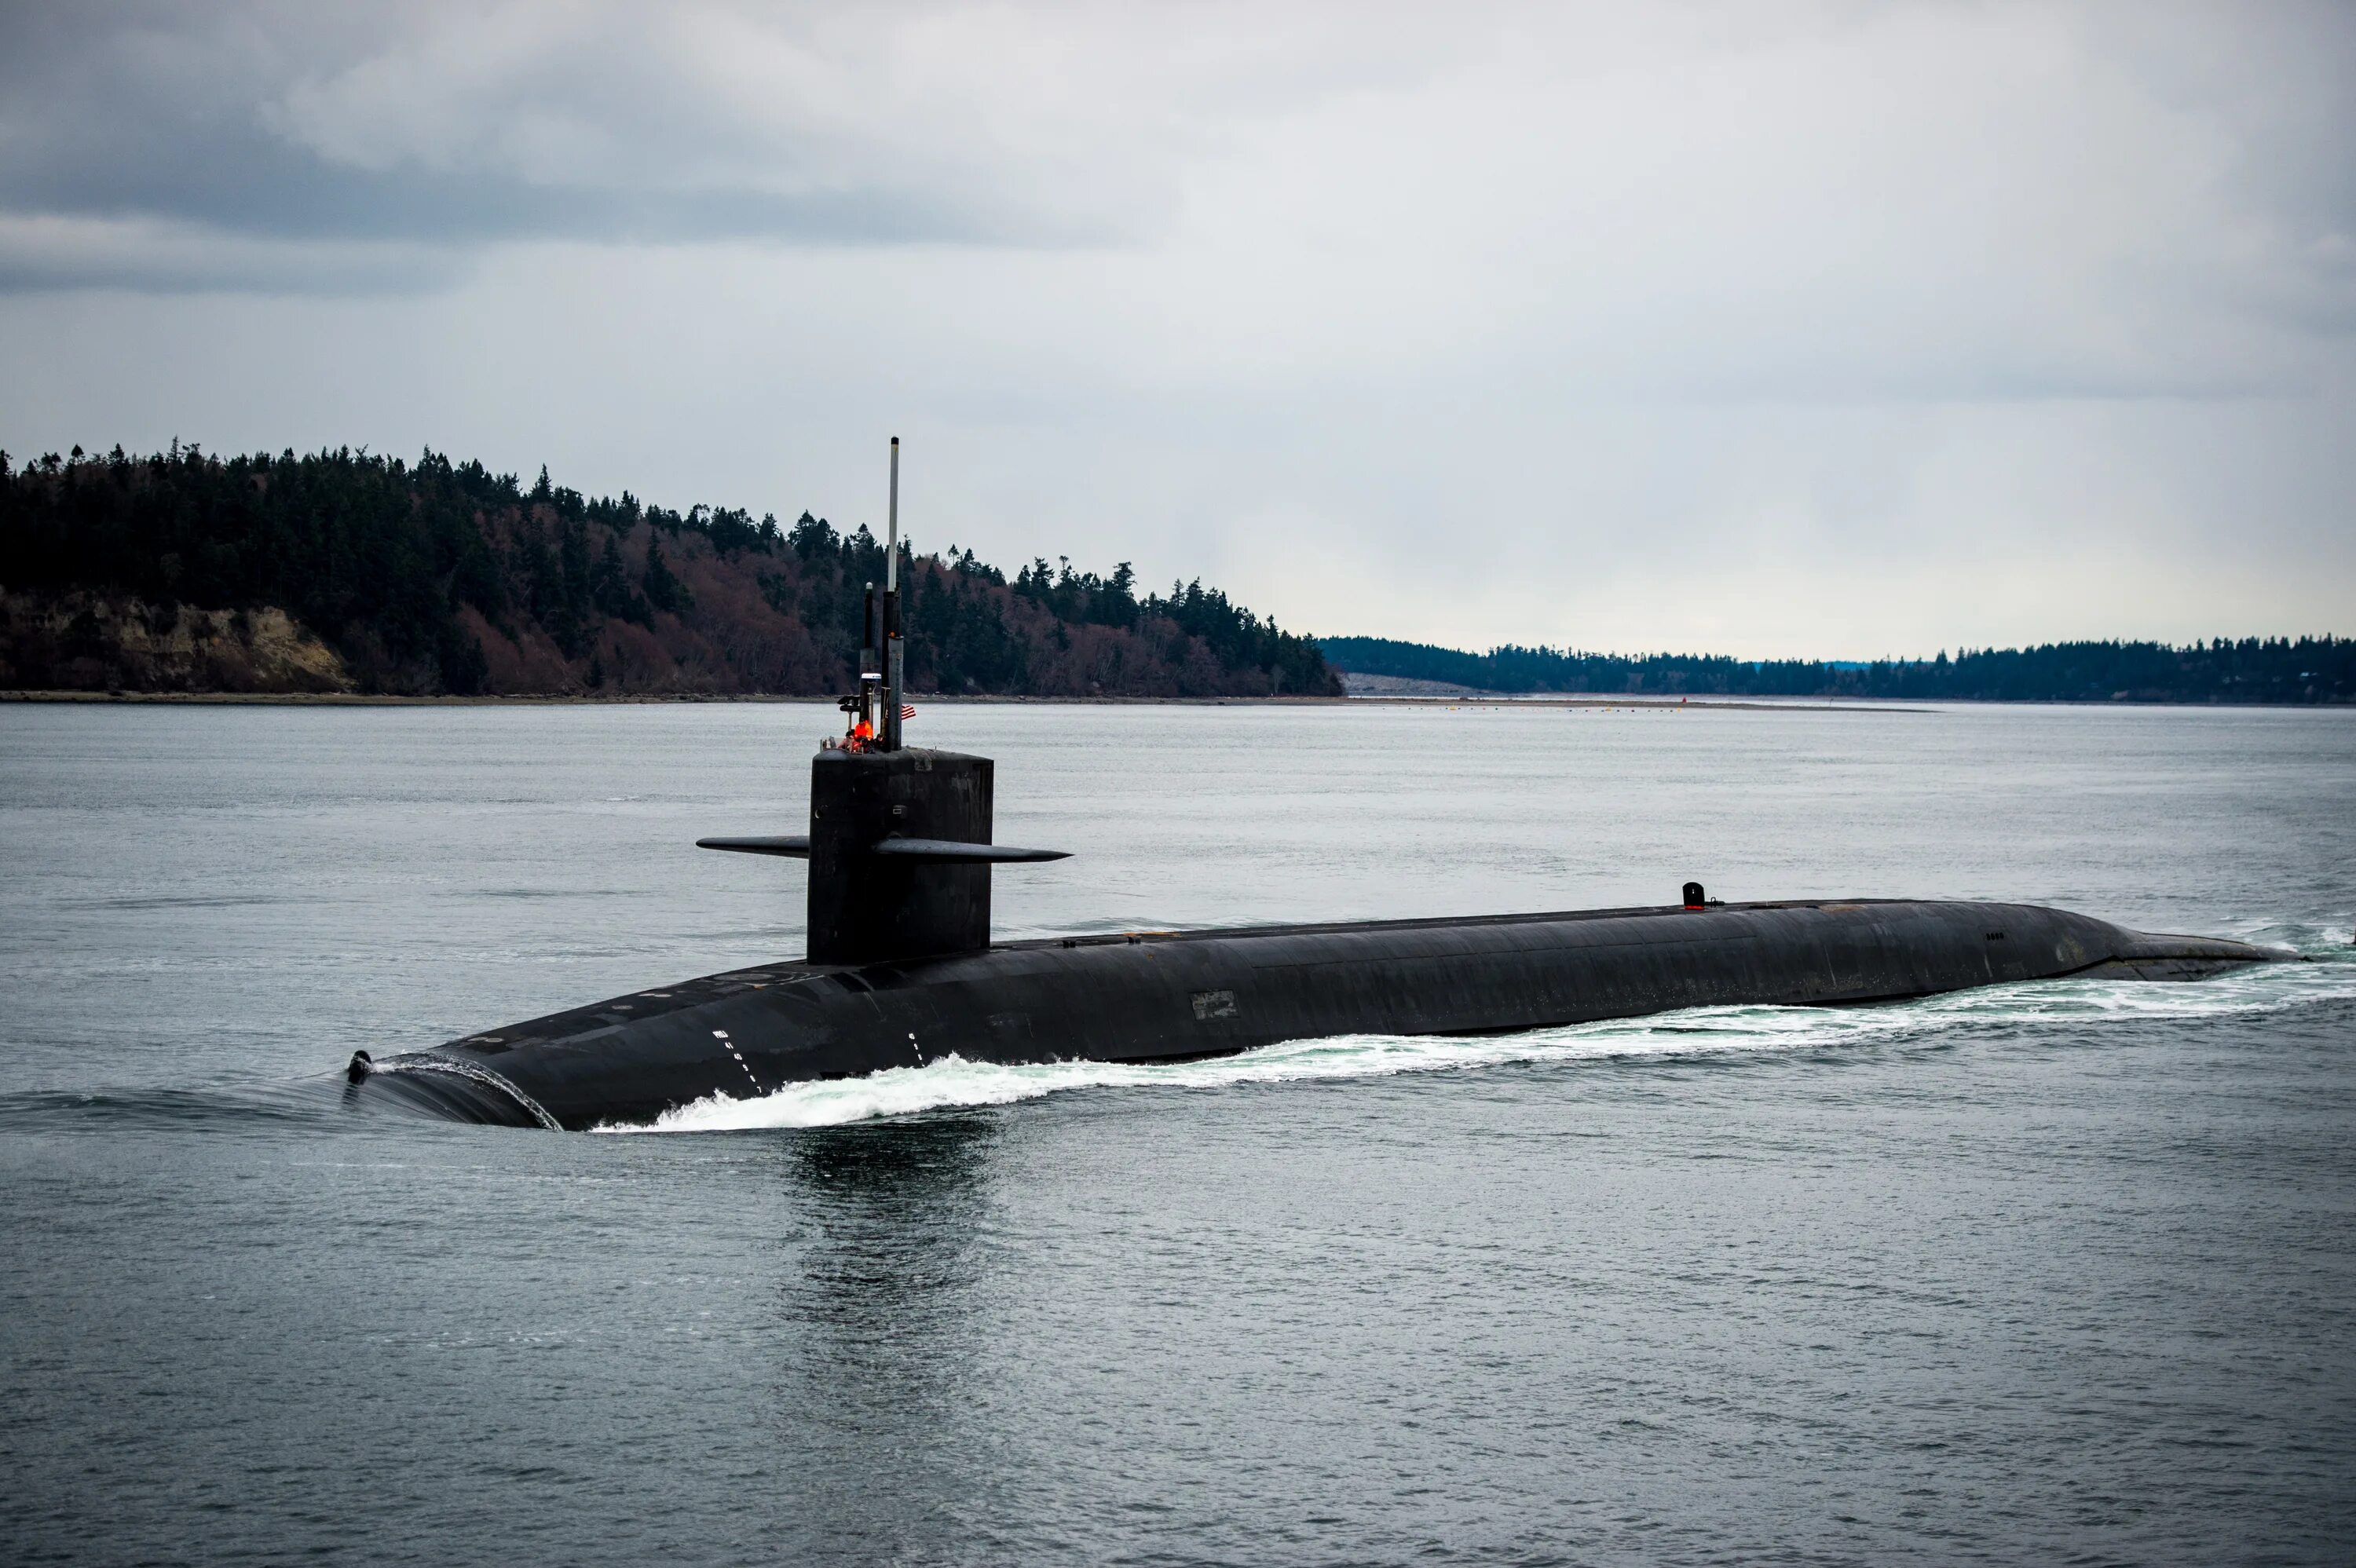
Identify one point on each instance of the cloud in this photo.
(163, 256)
(1714, 198)
(453, 126)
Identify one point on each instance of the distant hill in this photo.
(2251, 669)
(342, 571)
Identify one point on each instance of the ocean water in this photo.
(2061, 1273)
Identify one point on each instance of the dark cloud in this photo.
(235, 124)
(433, 130)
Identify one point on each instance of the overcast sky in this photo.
(1762, 328)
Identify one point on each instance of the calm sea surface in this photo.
(2050, 1273)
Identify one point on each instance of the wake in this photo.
(953, 1083)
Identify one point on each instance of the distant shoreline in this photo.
(1600, 701)
(1488, 699)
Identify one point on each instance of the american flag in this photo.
(907, 711)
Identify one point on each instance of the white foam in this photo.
(953, 1082)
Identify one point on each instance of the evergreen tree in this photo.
(664, 591)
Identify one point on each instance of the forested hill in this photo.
(2252, 669)
(344, 570)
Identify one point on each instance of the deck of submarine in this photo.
(656, 1000)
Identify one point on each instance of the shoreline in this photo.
(584, 700)
(1385, 700)
(361, 700)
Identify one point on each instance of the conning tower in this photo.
(899, 836)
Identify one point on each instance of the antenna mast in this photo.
(891, 726)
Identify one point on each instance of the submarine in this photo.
(900, 969)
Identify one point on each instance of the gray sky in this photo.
(1759, 328)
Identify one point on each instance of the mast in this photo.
(890, 729)
(870, 658)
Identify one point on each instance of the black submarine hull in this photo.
(1176, 996)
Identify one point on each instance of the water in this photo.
(2050, 1273)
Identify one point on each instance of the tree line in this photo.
(2248, 669)
(443, 577)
